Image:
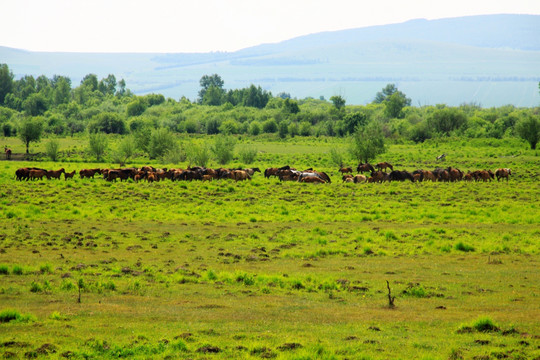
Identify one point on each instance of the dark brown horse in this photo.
(384, 166)
(8, 152)
(345, 170)
(69, 175)
(364, 168)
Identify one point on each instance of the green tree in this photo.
(108, 122)
(35, 104)
(121, 88)
(51, 149)
(291, 106)
(62, 91)
(367, 142)
(213, 96)
(283, 129)
(6, 82)
(223, 149)
(136, 107)
(446, 119)
(529, 130)
(336, 157)
(393, 99)
(30, 130)
(338, 101)
(126, 149)
(97, 145)
(90, 81)
(394, 104)
(198, 155)
(208, 81)
(107, 85)
(354, 120)
(161, 141)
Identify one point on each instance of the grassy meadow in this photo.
(263, 269)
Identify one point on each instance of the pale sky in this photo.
(211, 25)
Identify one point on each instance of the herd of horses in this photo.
(438, 174)
(377, 174)
(146, 173)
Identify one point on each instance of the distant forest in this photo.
(106, 105)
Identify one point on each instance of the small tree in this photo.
(368, 142)
(51, 148)
(529, 130)
(336, 157)
(223, 149)
(247, 155)
(97, 145)
(161, 141)
(198, 155)
(126, 149)
(30, 130)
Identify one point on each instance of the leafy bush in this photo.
(223, 149)
(9, 315)
(51, 149)
(4, 270)
(485, 325)
(247, 155)
(198, 154)
(17, 270)
(161, 141)
(461, 246)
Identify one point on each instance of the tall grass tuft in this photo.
(10, 315)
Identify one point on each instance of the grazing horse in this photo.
(455, 174)
(384, 166)
(359, 179)
(378, 176)
(240, 175)
(364, 168)
(398, 175)
(55, 174)
(503, 173)
(252, 171)
(89, 173)
(37, 174)
(69, 175)
(7, 151)
(428, 175)
(347, 177)
(345, 170)
(311, 179)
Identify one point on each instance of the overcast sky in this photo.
(210, 25)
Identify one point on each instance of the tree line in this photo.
(32, 107)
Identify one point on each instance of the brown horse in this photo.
(240, 175)
(503, 173)
(364, 168)
(379, 176)
(345, 170)
(55, 174)
(384, 166)
(347, 177)
(311, 179)
(69, 175)
(37, 174)
(89, 173)
(8, 152)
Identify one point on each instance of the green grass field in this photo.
(263, 269)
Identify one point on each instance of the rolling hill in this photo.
(491, 60)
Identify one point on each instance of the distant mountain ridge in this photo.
(490, 59)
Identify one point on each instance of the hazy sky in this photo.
(210, 25)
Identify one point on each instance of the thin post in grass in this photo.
(390, 297)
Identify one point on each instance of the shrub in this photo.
(35, 287)
(485, 325)
(223, 149)
(198, 154)
(17, 270)
(9, 315)
(51, 149)
(4, 270)
(45, 269)
(460, 246)
(247, 155)
(97, 145)
(161, 141)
